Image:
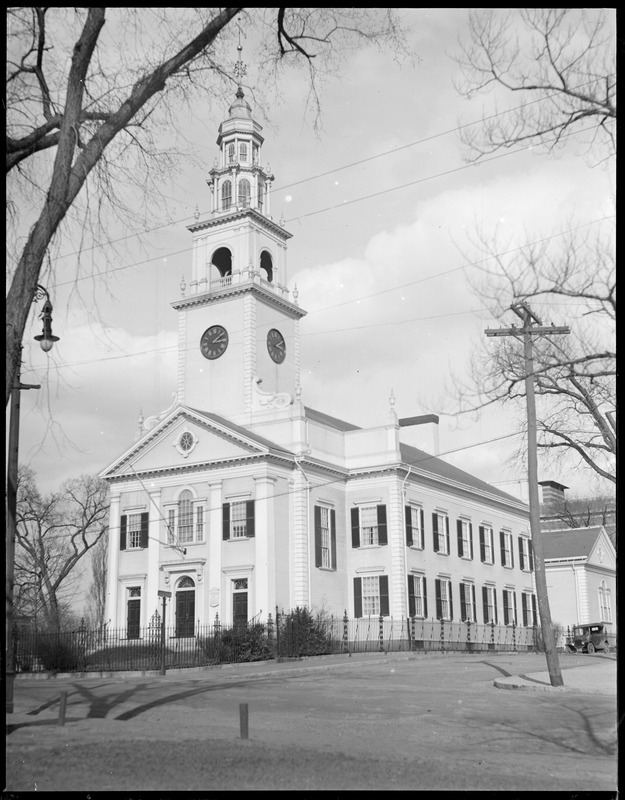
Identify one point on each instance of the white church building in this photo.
(240, 498)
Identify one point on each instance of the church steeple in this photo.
(239, 327)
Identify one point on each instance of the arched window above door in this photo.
(185, 583)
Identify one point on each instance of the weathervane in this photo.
(240, 68)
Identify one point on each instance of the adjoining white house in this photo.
(240, 498)
(580, 567)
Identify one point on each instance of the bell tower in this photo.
(238, 327)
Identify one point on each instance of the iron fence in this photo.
(287, 635)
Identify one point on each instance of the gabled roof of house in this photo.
(419, 458)
(570, 542)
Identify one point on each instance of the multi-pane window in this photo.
(509, 607)
(261, 191)
(185, 517)
(325, 537)
(489, 604)
(231, 154)
(371, 596)
(487, 550)
(440, 532)
(242, 151)
(238, 519)
(369, 526)
(245, 193)
(199, 524)
(528, 609)
(417, 596)
(444, 602)
(467, 602)
(255, 151)
(465, 538)
(526, 557)
(226, 195)
(414, 527)
(605, 602)
(507, 552)
(133, 535)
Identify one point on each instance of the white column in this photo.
(215, 600)
(301, 541)
(395, 528)
(112, 593)
(264, 546)
(151, 603)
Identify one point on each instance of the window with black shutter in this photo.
(412, 605)
(122, 532)
(482, 544)
(357, 597)
(355, 527)
(144, 529)
(249, 518)
(382, 534)
(521, 553)
(333, 537)
(226, 521)
(318, 556)
(384, 601)
(435, 532)
(408, 516)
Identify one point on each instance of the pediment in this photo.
(603, 553)
(183, 438)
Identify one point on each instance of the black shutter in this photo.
(249, 518)
(511, 551)
(357, 597)
(122, 532)
(144, 529)
(463, 603)
(384, 606)
(531, 554)
(451, 602)
(333, 538)
(506, 616)
(226, 521)
(471, 540)
(447, 534)
(439, 604)
(356, 528)
(435, 533)
(459, 528)
(318, 559)
(412, 606)
(425, 598)
(524, 609)
(422, 533)
(408, 515)
(514, 607)
(521, 556)
(495, 614)
(485, 601)
(482, 545)
(382, 534)
(534, 609)
(502, 548)
(473, 603)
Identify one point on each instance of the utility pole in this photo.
(532, 326)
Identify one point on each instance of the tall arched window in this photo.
(185, 517)
(226, 195)
(261, 190)
(231, 153)
(266, 265)
(245, 193)
(605, 605)
(243, 151)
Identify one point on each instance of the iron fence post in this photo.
(381, 634)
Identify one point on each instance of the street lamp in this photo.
(46, 339)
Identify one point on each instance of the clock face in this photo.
(214, 342)
(276, 346)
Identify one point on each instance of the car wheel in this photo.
(590, 648)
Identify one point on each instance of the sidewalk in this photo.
(599, 677)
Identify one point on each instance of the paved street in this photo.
(372, 722)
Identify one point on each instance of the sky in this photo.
(383, 208)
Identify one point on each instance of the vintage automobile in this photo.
(589, 638)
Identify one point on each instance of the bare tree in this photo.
(53, 535)
(558, 62)
(81, 100)
(96, 598)
(575, 376)
(583, 512)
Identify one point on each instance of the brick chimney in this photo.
(552, 495)
(420, 432)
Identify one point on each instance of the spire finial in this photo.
(240, 68)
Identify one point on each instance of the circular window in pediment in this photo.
(185, 443)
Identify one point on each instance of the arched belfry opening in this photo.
(266, 265)
(222, 259)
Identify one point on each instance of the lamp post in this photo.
(46, 340)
